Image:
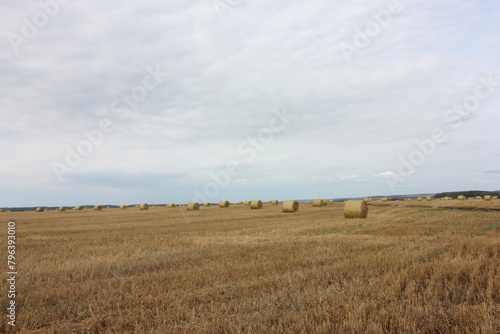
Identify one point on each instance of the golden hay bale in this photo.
(332, 201)
(61, 208)
(409, 199)
(274, 202)
(78, 208)
(240, 203)
(193, 206)
(40, 209)
(428, 199)
(144, 206)
(171, 205)
(223, 204)
(478, 197)
(246, 203)
(355, 209)
(487, 198)
(123, 206)
(325, 202)
(460, 197)
(290, 206)
(206, 204)
(257, 204)
(419, 199)
(317, 203)
(494, 197)
(137, 205)
(98, 207)
(384, 199)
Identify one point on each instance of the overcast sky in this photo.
(303, 99)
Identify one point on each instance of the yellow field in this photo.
(410, 267)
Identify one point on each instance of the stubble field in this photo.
(410, 267)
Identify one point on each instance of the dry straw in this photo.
(40, 209)
(275, 202)
(247, 203)
(419, 199)
(123, 206)
(144, 206)
(61, 208)
(78, 208)
(223, 204)
(332, 201)
(2, 210)
(193, 206)
(494, 197)
(487, 198)
(317, 203)
(290, 206)
(206, 204)
(460, 197)
(98, 207)
(257, 204)
(325, 202)
(355, 209)
(428, 199)
(384, 199)
(478, 197)
(171, 205)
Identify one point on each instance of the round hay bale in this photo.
(494, 197)
(384, 199)
(171, 205)
(223, 204)
(123, 206)
(332, 201)
(61, 208)
(78, 208)
(274, 202)
(193, 206)
(317, 203)
(487, 198)
(2, 210)
(460, 197)
(206, 204)
(290, 206)
(478, 197)
(246, 203)
(256, 204)
(144, 206)
(40, 209)
(419, 199)
(98, 207)
(325, 202)
(428, 199)
(355, 209)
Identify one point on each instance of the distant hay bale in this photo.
(478, 197)
(206, 204)
(494, 197)
(246, 203)
(419, 199)
(325, 202)
(384, 199)
(78, 207)
(240, 203)
(193, 206)
(223, 204)
(171, 205)
(487, 198)
(144, 206)
(317, 203)
(137, 205)
(98, 207)
(123, 206)
(428, 199)
(257, 204)
(461, 197)
(290, 206)
(274, 202)
(355, 209)
(40, 209)
(2, 210)
(332, 201)
(366, 199)
(61, 208)
(408, 199)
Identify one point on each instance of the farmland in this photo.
(410, 267)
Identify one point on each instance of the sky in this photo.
(208, 100)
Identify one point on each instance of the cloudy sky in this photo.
(173, 101)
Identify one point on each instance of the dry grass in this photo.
(410, 267)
